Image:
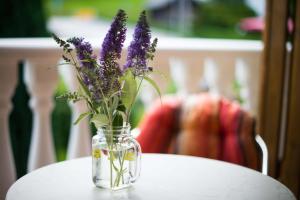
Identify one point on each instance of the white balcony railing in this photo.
(217, 63)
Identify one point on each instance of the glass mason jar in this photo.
(116, 158)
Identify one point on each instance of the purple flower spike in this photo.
(84, 52)
(137, 51)
(88, 64)
(111, 51)
(114, 39)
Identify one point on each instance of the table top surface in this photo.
(162, 177)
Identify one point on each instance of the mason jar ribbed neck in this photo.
(115, 130)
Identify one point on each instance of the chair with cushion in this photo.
(203, 125)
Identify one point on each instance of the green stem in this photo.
(121, 166)
(110, 144)
(111, 156)
(121, 173)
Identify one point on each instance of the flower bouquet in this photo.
(110, 91)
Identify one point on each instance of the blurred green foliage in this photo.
(22, 18)
(171, 87)
(222, 13)
(220, 19)
(237, 87)
(20, 124)
(137, 113)
(61, 122)
(213, 19)
(104, 8)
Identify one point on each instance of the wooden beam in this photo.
(290, 171)
(272, 78)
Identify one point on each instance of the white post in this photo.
(247, 70)
(219, 75)
(41, 80)
(8, 81)
(187, 71)
(179, 74)
(80, 137)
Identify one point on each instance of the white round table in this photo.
(163, 177)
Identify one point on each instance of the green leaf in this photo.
(114, 104)
(122, 114)
(153, 84)
(82, 116)
(129, 89)
(99, 120)
(89, 105)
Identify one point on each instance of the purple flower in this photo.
(88, 65)
(137, 51)
(114, 39)
(84, 52)
(111, 51)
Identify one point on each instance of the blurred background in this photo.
(244, 50)
(226, 19)
(238, 19)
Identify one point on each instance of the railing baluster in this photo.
(246, 73)
(8, 81)
(187, 73)
(179, 74)
(219, 75)
(80, 137)
(218, 71)
(41, 80)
